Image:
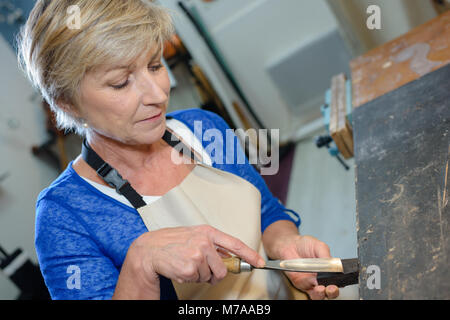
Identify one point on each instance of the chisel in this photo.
(341, 272)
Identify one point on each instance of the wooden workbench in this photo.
(402, 60)
(401, 126)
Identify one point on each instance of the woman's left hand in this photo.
(298, 246)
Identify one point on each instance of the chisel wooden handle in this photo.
(233, 264)
(236, 265)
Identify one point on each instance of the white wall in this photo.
(397, 18)
(28, 176)
(250, 35)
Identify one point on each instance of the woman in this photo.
(105, 79)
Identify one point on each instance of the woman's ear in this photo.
(67, 107)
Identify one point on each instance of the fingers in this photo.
(332, 291)
(302, 280)
(206, 260)
(217, 267)
(204, 272)
(310, 247)
(223, 253)
(307, 282)
(194, 254)
(237, 247)
(317, 293)
(322, 250)
(322, 292)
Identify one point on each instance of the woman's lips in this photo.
(153, 118)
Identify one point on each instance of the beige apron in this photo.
(232, 205)
(210, 196)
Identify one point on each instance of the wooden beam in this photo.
(340, 129)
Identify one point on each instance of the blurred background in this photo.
(257, 63)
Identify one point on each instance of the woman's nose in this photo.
(153, 89)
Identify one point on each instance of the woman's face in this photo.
(121, 102)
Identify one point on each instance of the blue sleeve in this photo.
(272, 209)
(73, 266)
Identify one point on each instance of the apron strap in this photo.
(112, 177)
(167, 137)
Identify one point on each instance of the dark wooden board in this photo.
(402, 149)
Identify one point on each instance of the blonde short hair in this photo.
(56, 58)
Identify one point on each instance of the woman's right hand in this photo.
(183, 254)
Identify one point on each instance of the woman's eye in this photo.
(155, 68)
(120, 86)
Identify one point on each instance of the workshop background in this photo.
(258, 63)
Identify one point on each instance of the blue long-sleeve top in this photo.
(82, 235)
